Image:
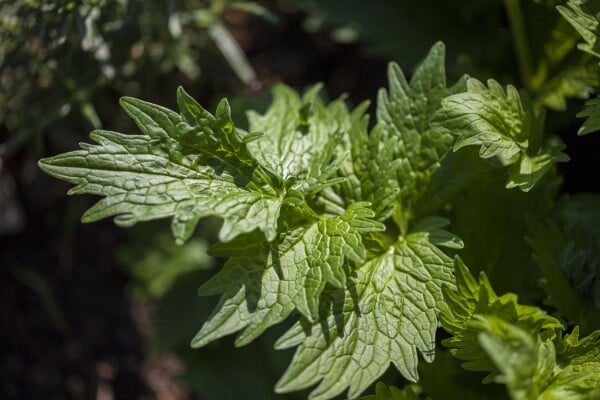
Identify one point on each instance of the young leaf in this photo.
(398, 158)
(186, 166)
(519, 345)
(525, 361)
(472, 299)
(592, 113)
(405, 112)
(578, 374)
(386, 313)
(534, 367)
(507, 128)
(298, 130)
(370, 173)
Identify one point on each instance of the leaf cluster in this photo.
(346, 229)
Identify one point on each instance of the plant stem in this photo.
(517, 27)
(232, 51)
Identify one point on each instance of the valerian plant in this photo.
(347, 228)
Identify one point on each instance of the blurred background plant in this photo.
(93, 310)
(56, 56)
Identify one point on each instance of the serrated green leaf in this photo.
(592, 113)
(186, 166)
(386, 313)
(525, 361)
(405, 112)
(301, 134)
(369, 172)
(140, 181)
(579, 375)
(557, 70)
(508, 130)
(214, 139)
(519, 345)
(583, 16)
(472, 300)
(530, 169)
(532, 366)
(254, 297)
(262, 289)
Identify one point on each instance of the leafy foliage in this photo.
(524, 363)
(583, 16)
(552, 69)
(521, 346)
(405, 112)
(397, 295)
(535, 367)
(289, 251)
(537, 49)
(260, 290)
(579, 360)
(472, 299)
(338, 227)
(508, 130)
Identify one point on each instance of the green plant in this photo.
(344, 229)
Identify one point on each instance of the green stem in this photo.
(232, 51)
(517, 27)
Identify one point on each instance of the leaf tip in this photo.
(283, 385)
(44, 164)
(199, 340)
(126, 101)
(438, 47)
